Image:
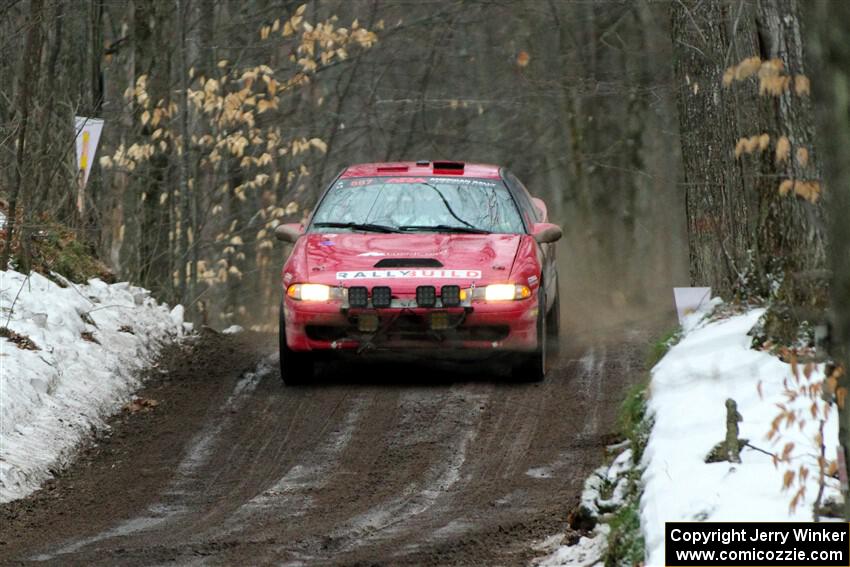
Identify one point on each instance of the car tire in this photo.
(532, 366)
(296, 368)
(553, 329)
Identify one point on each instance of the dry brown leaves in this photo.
(140, 405)
(801, 385)
(802, 156)
(772, 81)
(19, 340)
(808, 190)
(88, 336)
(752, 144)
(802, 85)
(783, 149)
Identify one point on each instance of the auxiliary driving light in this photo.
(358, 296)
(382, 296)
(450, 295)
(426, 296)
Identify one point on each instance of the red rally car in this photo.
(447, 257)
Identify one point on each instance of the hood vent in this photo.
(409, 263)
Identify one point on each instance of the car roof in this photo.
(447, 168)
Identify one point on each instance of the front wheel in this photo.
(296, 368)
(532, 366)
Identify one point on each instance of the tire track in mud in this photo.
(377, 464)
(176, 496)
(456, 426)
(291, 493)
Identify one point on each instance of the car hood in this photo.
(402, 260)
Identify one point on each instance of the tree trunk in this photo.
(745, 238)
(832, 100)
(721, 206)
(841, 313)
(183, 254)
(793, 235)
(29, 76)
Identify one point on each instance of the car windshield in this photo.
(418, 204)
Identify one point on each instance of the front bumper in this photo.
(327, 326)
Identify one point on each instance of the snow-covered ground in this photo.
(688, 392)
(91, 340)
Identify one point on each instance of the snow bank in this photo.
(589, 550)
(92, 340)
(689, 388)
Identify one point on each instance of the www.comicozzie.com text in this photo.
(743, 534)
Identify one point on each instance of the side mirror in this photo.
(288, 232)
(541, 206)
(546, 233)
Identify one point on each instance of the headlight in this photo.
(309, 292)
(506, 292)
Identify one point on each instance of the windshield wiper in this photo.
(369, 227)
(444, 228)
(449, 207)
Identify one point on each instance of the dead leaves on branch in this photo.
(760, 142)
(745, 69)
(753, 144)
(229, 110)
(802, 85)
(783, 149)
(322, 43)
(831, 389)
(808, 190)
(807, 401)
(230, 103)
(772, 81)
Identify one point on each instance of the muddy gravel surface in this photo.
(375, 464)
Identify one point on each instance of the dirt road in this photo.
(374, 465)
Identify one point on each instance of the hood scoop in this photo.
(409, 263)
